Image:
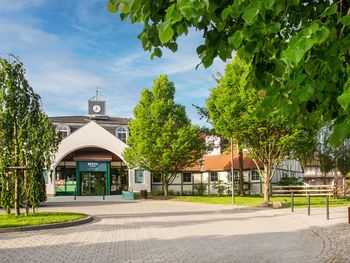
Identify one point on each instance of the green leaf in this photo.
(341, 132)
(322, 34)
(156, 53)
(206, 2)
(225, 13)
(279, 7)
(305, 43)
(305, 93)
(185, 7)
(173, 46)
(345, 20)
(200, 49)
(344, 100)
(112, 8)
(165, 32)
(180, 29)
(331, 10)
(125, 6)
(236, 40)
(293, 55)
(275, 27)
(170, 11)
(269, 3)
(251, 13)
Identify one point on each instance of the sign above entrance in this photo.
(92, 166)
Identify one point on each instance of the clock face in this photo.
(96, 108)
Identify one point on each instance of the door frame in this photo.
(99, 168)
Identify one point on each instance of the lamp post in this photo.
(233, 188)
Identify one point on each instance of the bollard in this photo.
(292, 202)
(308, 203)
(75, 193)
(104, 193)
(327, 206)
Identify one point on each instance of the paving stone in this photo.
(167, 231)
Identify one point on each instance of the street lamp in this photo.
(233, 188)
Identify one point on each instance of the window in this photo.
(121, 134)
(254, 175)
(63, 129)
(138, 176)
(213, 176)
(235, 174)
(156, 177)
(187, 177)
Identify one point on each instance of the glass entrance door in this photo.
(92, 183)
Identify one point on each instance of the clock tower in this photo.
(96, 105)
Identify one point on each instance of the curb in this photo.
(48, 226)
(327, 244)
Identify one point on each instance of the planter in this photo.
(128, 195)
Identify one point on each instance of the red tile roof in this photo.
(222, 163)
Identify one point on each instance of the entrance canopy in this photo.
(91, 135)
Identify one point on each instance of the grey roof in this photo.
(86, 119)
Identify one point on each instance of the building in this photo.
(214, 170)
(314, 176)
(90, 161)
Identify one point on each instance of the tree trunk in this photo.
(241, 180)
(266, 191)
(8, 203)
(25, 192)
(16, 193)
(266, 183)
(166, 188)
(17, 210)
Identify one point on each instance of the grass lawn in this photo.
(256, 200)
(38, 218)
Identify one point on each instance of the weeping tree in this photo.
(162, 139)
(27, 140)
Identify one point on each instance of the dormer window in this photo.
(122, 134)
(63, 129)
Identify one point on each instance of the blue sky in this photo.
(71, 47)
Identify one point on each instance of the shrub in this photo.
(157, 192)
(200, 188)
(220, 187)
(137, 195)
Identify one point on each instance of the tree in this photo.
(299, 49)
(27, 139)
(269, 140)
(330, 158)
(342, 155)
(162, 139)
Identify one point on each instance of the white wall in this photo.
(136, 187)
(204, 178)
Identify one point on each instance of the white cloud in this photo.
(16, 5)
(66, 79)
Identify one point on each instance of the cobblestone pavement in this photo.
(166, 231)
(339, 237)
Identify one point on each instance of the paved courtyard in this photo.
(168, 231)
